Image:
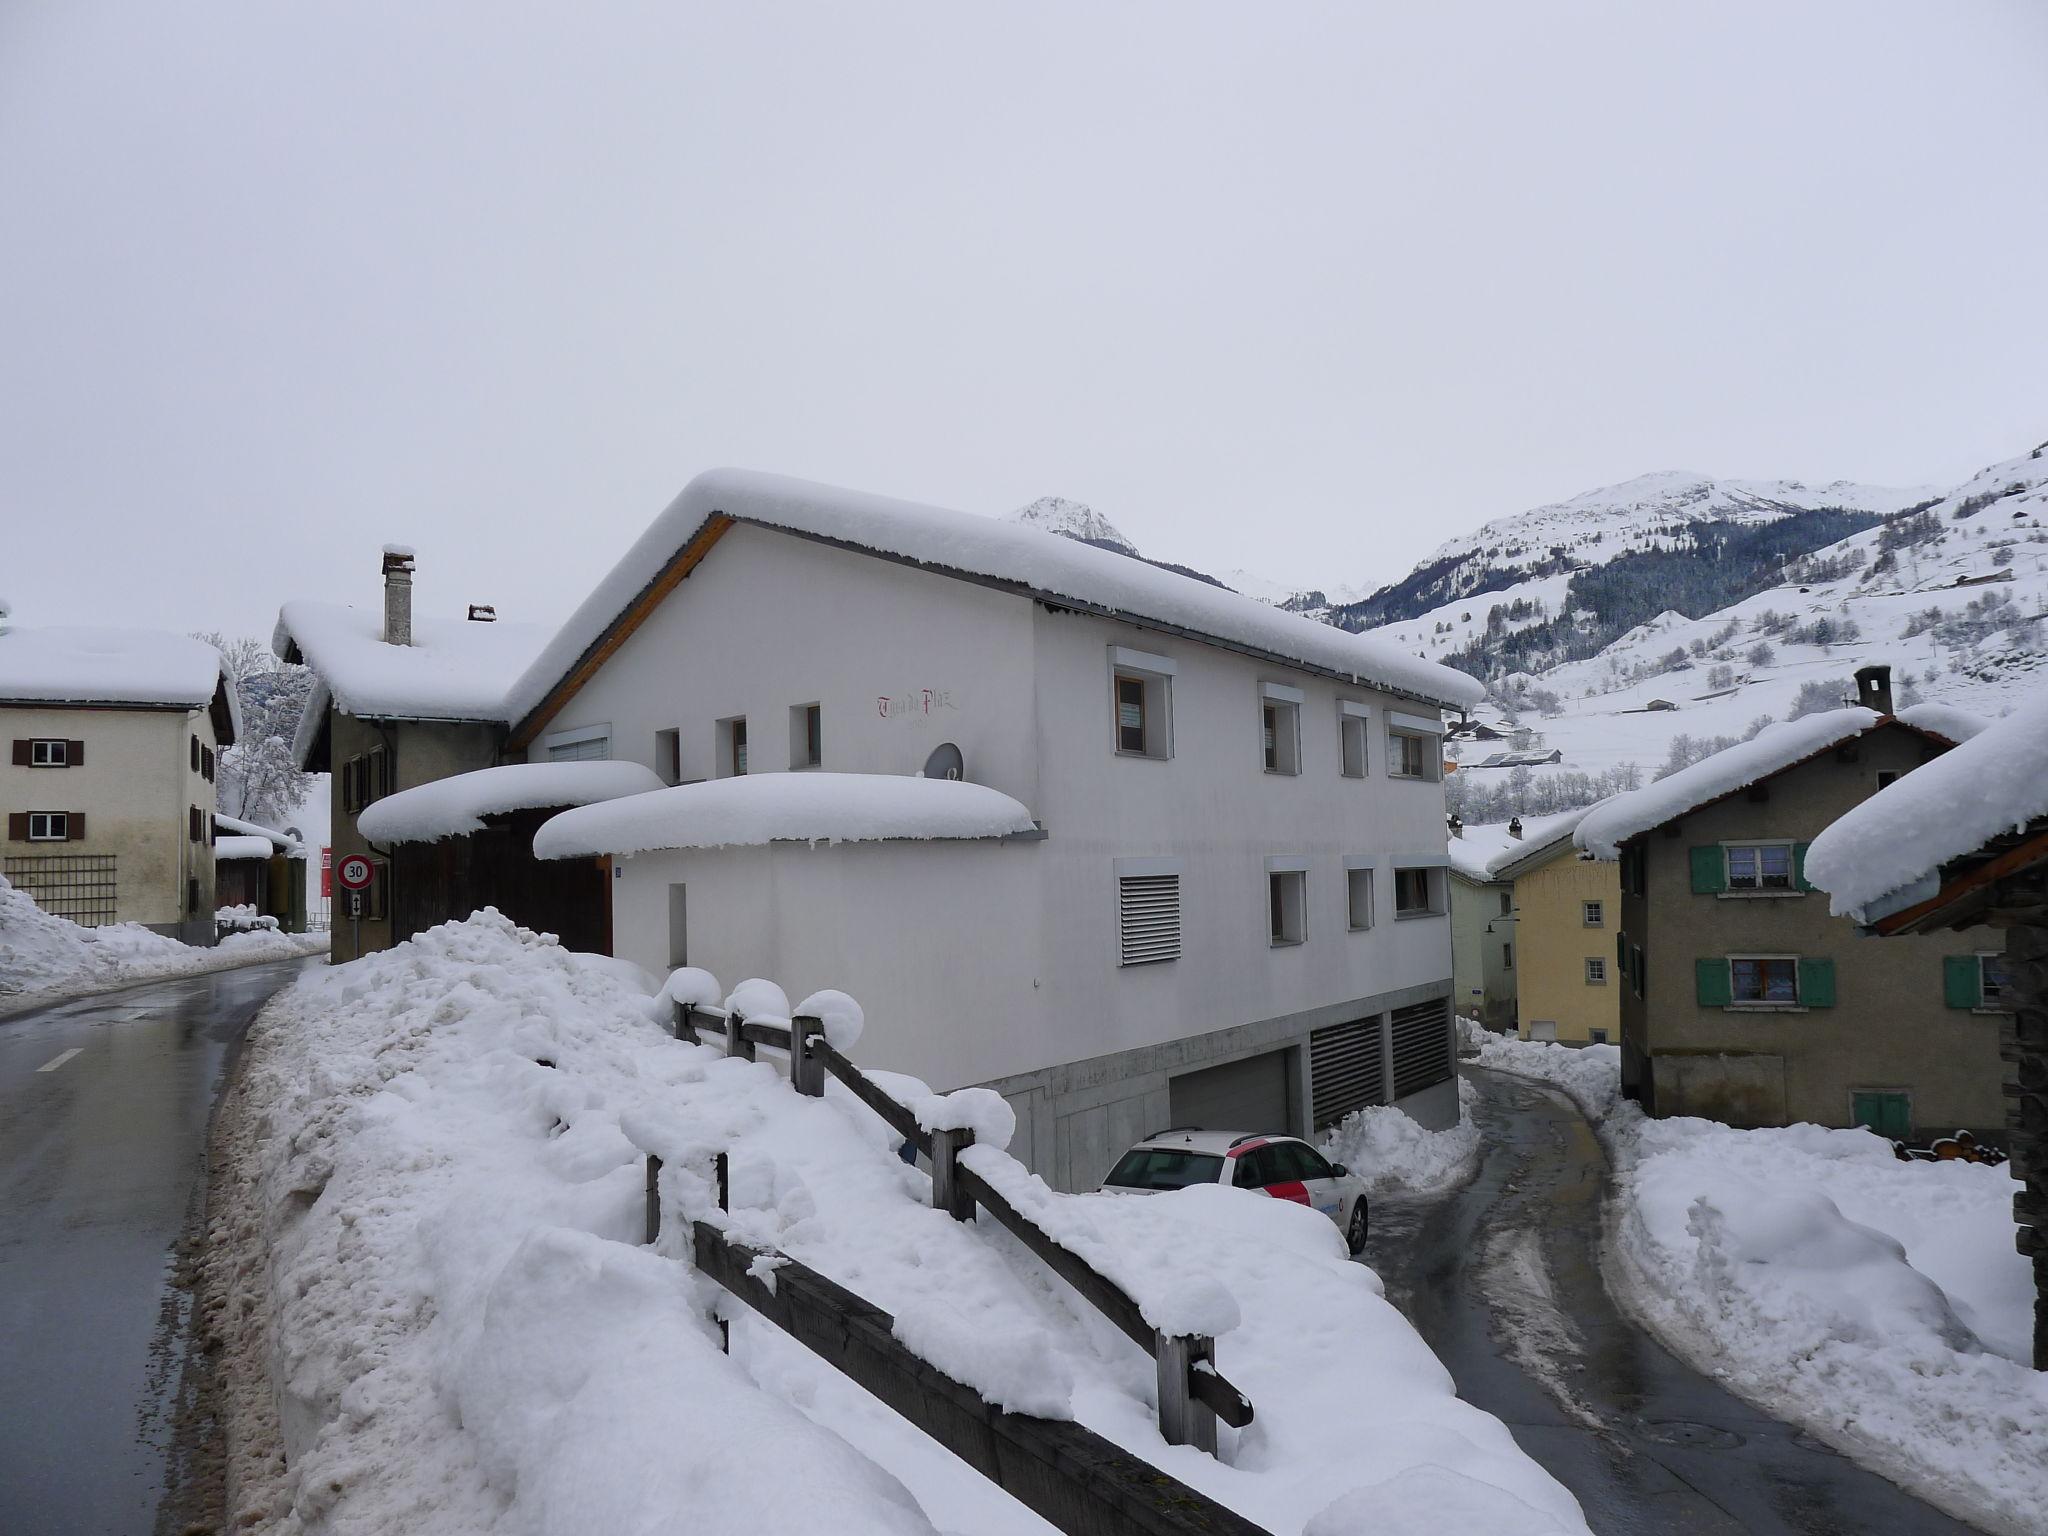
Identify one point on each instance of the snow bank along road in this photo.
(438, 1186)
(103, 1111)
(1503, 1282)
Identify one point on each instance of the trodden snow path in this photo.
(468, 1336)
(1503, 1280)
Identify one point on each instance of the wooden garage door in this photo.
(1248, 1095)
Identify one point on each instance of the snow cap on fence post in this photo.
(760, 1000)
(840, 1014)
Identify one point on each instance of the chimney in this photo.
(398, 562)
(483, 613)
(1456, 824)
(1515, 827)
(1874, 687)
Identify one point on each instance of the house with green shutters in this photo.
(1742, 999)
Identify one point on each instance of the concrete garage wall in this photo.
(1889, 1030)
(136, 788)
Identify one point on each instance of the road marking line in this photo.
(57, 1061)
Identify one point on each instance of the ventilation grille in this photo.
(1148, 918)
(1422, 1046)
(1346, 1071)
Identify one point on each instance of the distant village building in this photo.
(1958, 851)
(1483, 928)
(1743, 1000)
(1568, 984)
(108, 783)
(261, 869)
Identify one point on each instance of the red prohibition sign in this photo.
(354, 873)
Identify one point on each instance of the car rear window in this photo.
(1164, 1168)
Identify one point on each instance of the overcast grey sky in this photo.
(1304, 289)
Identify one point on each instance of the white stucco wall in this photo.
(983, 961)
(135, 788)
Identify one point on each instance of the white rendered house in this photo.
(1215, 893)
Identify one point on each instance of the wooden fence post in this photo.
(736, 1041)
(806, 1071)
(1184, 1419)
(653, 1197)
(685, 1029)
(721, 1170)
(948, 1193)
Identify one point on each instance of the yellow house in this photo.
(1567, 909)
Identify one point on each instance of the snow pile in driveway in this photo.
(1391, 1151)
(45, 958)
(1590, 1075)
(1878, 1302)
(468, 1335)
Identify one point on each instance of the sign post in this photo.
(354, 874)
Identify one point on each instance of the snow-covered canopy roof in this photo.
(454, 669)
(754, 809)
(283, 842)
(1887, 853)
(456, 805)
(1777, 747)
(226, 849)
(148, 668)
(1003, 553)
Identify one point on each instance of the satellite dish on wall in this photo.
(945, 762)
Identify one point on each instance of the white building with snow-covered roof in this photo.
(1196, 871)
(108, 782)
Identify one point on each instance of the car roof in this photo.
(1189, 1138)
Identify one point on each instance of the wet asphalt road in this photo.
(1503, 1280)
(104, 1105)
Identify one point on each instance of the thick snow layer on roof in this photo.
(1540, 835)
(784, 807)
(1613, 822)
(226, 849)
(284, 842)
(456, 805)
(986, 547)
(453, 670)
(67, 665)
(1993, 783)
(1958, 725)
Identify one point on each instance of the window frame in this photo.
(1991, 996)
(1432, 887)
(1764, 1001)
(806, 736)
(668, 755)
(1758, 845)
(1354, 725)
(1154, 676)
(729, 747)
(1359, 873)
(1286, 902)
(1593, 914)
(1596, 970)
(1427, 737)
(38, 758)
(563, 746)
(60, 820)
(1280, 729)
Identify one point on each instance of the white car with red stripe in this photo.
(1284, 1167)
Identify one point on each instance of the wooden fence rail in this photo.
(1193, 1395)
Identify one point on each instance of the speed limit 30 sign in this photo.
(354, 873)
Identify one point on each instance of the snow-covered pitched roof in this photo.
(989, 549)
(283, 842)
(753, 809)
(1550, 835)
(1895, 842)
(78, 665)
(1480, 852)
(454, 669)
(1945, 720)
(1613, 822)
(457, 805)
(226, 849)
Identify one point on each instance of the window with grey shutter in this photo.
(1148, 918)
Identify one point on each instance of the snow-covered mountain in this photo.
(1075, 519)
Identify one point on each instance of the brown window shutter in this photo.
(21, 755)
(193, 828)
(17, 826)
(74, 826)
(195, 754)
(74, 754)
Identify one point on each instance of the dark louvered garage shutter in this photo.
(1346, 1069)
(1422, 1046)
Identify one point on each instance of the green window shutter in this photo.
(1962, 981)
(1709, 870)
(1799, 881)
(1621, 950)
(1710, 980)
(1817, 982)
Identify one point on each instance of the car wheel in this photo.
(1354, 1235)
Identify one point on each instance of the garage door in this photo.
(1248, 1095)
(1345, 1069)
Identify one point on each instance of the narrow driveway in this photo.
(104, 1105)
(1503, 1280)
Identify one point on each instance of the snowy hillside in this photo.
(1075, 519)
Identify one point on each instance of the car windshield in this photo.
(1164, 1168)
